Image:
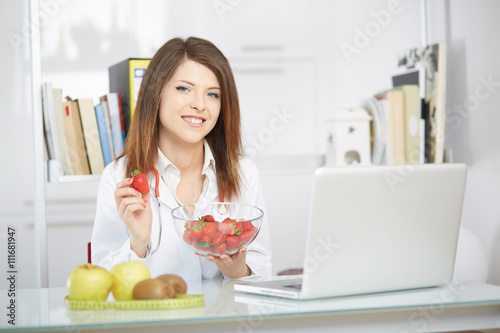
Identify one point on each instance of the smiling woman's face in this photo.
(190, 104)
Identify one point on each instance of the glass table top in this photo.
(46, 309)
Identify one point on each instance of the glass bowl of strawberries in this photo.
(218, 227)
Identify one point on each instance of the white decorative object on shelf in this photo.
(351, 136)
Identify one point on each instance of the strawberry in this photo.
(203, 244)
(247, 236)
(140, 182)
(238, 228)
(219, 238)
(247, 225)
(220, 249)
(227, 226)
(233, 243)
(187, 237)
(197, 232)
(207, 218)
(210, 229)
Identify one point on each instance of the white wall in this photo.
(16, 148)
(308, 74)
(473, 109)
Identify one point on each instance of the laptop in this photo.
(376, 229)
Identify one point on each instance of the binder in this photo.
(125, 78)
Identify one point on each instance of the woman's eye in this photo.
(181, 88)
(213, 95)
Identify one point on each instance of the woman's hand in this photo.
(135, 210)
(233, 266)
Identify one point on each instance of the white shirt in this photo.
(171, 175)
(111, 240)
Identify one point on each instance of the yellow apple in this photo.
(89, 282)
(125, 276)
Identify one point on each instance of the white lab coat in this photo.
(111, 240)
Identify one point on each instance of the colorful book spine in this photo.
(103, 133)
(67, 165)
(91, 135)
(116, 127)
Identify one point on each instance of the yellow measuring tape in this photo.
(179, 302)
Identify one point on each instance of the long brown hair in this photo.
(224, 139)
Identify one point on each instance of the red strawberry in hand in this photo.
(140, 182)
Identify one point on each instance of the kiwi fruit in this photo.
(153, 289)
(180, 286)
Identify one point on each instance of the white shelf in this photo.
(73, 179)
(55, 174)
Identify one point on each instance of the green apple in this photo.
(125, 276)
(89, 282)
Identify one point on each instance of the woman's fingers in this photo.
(130, 205)
(125, 182)
(232, 266)
(130, 211)
(123, 190)
(228, 259)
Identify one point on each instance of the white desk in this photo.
(454, 307)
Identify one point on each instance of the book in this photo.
(104, 103)
(118, 133)
(432, 59)
(125, 78)
(67, 165)
(91, 135)
(396, 126)
(74, 138)
(382, 106)
(377, 108)
(103, 134)
(412, 123)
(417, 76)
(49, 122)
(440, 108)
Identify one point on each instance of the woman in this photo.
(187, 125)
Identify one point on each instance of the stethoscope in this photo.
(157, 195)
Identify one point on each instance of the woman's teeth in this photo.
(193, 120)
